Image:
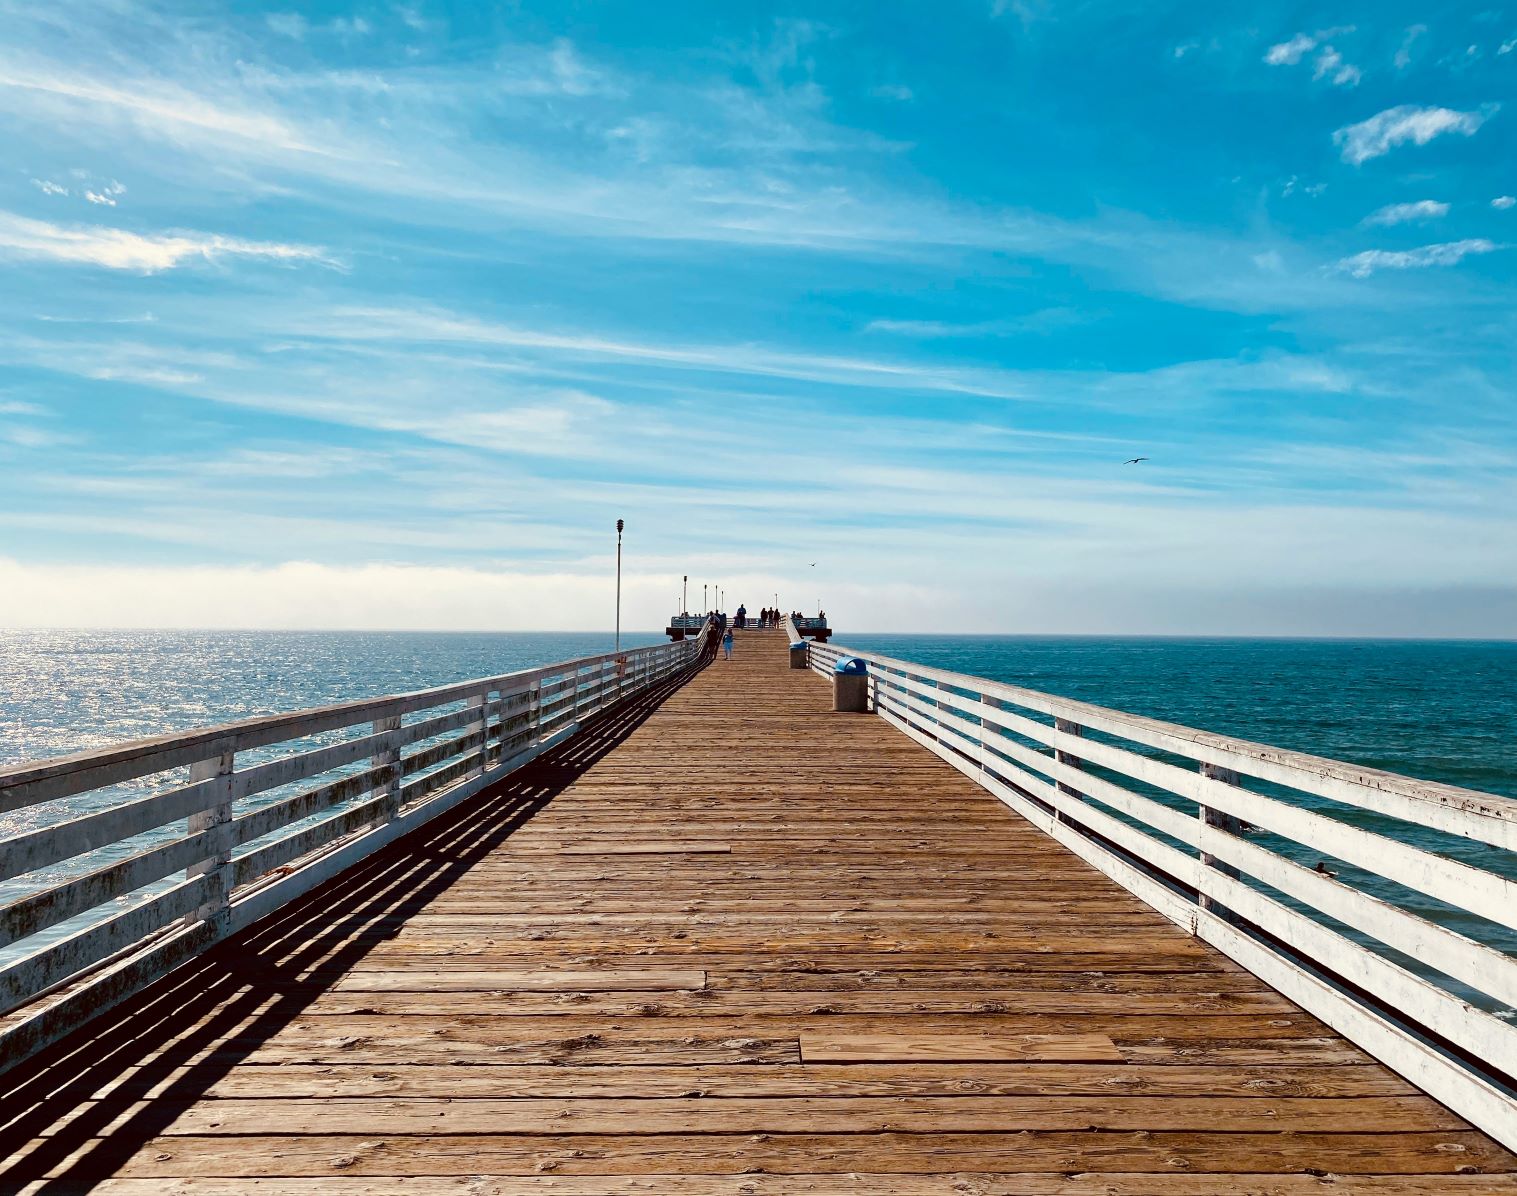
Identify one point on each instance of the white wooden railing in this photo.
(131, 859)
(1204, 828)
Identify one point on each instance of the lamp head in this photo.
(620, 523)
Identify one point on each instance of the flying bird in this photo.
(1134, 460)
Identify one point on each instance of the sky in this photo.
(381, 314)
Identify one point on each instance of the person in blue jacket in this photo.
(727, 644)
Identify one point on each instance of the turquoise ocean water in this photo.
(1442, 710)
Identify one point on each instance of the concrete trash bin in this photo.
(850, 686)
(798, 655)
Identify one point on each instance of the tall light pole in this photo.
(684, 601)
(705, 603)
(619, 525)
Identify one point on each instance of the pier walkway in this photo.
(724, 941)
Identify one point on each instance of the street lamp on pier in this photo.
(620, 523)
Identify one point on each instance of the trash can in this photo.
(850, 686)
(798, 655)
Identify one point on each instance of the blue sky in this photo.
(381, 314)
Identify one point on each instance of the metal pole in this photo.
(705, 605)
(619, 525)
(684, 600)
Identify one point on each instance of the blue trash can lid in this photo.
(797, 644)
(850, 666)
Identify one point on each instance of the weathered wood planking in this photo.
(505, 1002)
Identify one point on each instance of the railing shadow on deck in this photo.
(199, 1022)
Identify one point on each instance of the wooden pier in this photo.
(723, 940)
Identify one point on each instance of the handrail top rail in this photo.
(1176, 736)
(264, 729)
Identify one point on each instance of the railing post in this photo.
(481, 729)
(218, 819)
(1069, 727)
(988, 725)
(1228, 824)
(388, 786)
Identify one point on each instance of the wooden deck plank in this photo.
(937, 1047)
(753, 1184)
(778, 1115)
(619, 973)
(572, 1081)
(380, 1152)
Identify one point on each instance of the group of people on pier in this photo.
(768, 617)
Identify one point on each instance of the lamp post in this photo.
(619, 525)
(705, 604)
(684, 601)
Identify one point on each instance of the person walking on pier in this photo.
(727, 644)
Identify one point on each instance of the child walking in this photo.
(727, 644)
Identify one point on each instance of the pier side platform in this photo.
(726, 941)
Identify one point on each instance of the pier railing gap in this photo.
(1193, 840)
(118, 888)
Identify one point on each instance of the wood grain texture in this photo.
(725, 942)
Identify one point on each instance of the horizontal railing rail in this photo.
(126, 860)
(1217, 833)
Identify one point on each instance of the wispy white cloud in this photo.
(117, 249)
(892, 91)
(163, 105)
(1402, 213)
(145, 318)
(296, 27)
(288, 24)
(1289, 53)
(390, 324)
(1047, 320)
(1403, 124)
(149, 376)
(1330, 65)
(1404, 54)
(410, 16)
(1502, 202)
(48, 187)
(1450, 253)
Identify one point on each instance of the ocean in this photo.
(1439, 710)
(66, 691)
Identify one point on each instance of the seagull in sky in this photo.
(1134, 460)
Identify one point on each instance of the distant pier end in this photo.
(805, 627)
